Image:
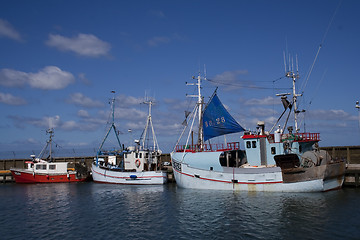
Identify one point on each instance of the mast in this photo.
(294, 76)
(200, 110)
(50, 131)
(149, 124)
(48, 142)
(112, 126)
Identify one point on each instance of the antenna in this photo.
(297, 64)
(284, 60)
(204, 71)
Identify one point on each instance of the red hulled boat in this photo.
(46, 171)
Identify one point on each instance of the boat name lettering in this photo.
(217, 122)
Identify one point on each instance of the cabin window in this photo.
(41, 167)
(248, 144)
(273, 150)
(52, 167)
(140, 155)
(254, 144)
(136, 155)
(146, 155)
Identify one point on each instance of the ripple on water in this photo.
(104, 211)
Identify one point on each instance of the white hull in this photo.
(102, 175)
(268, 179)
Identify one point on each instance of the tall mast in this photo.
(50, 131)
(112, 125)
(294, 77)
(48, 142)
(149, 124)
(201, 135)
(199, 106)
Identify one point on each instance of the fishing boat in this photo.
(270, 162)
(138, 165)
(40, 170)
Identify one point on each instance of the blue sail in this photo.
(217, 120)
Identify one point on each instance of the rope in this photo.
(322, 42)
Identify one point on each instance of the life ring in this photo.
(137, 163)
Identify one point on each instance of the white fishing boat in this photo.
(274, 162)
(139, 164)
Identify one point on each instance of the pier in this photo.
(351, 154)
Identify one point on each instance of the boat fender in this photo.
(47, 176)
(137, 163)
(133, 176)
(68, 176)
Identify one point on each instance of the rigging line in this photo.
(243, 86)
(278, 79)
(322, 42)
(312, 98)
(330, 23)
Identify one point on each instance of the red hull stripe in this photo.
(215, 180)
(37, 178)
(128, 177)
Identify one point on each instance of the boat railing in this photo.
(293, 137)
(208, 147)
(301, 137)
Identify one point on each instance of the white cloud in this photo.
(48, 78)
(13, 78)
(262, 102)
(126, 101)
(11, 100)
(83, 101)
(262, 112)
(69, 125)
(7, 30)
(229, 79)
(155, 41)
(83, 113)
(178, 105)
(83, 44)
(44, 122)
(53, 122)
(130, 114)
(333, 114)
(83, 79)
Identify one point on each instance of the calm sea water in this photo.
(104, 211)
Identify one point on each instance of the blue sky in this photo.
(60, 60)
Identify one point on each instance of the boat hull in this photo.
(23, 176)
(267, 179)
(102, 175)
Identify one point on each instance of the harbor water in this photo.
(106, 211)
